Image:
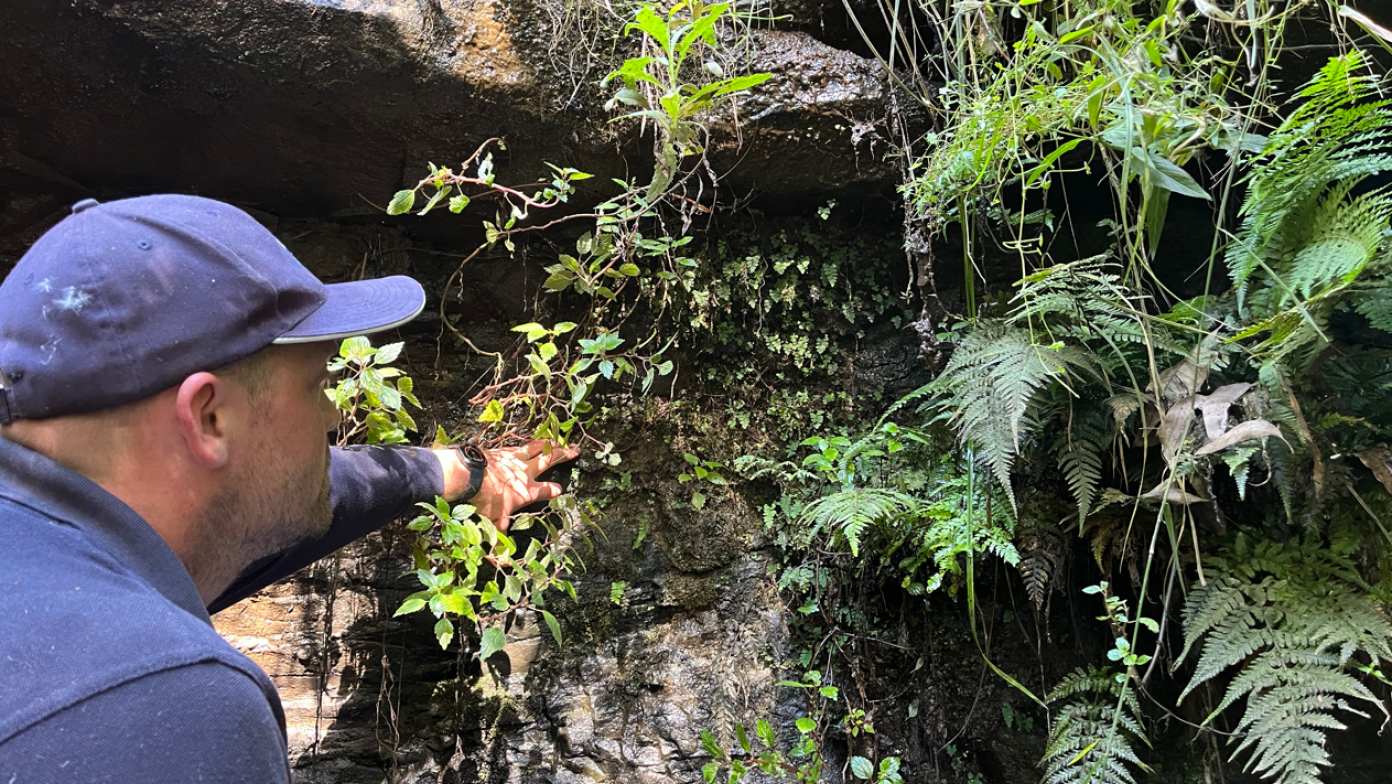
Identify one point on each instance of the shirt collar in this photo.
(55, 491)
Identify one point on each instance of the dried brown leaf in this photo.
(1252, 428)
(1215, 407)
(1173, 428)
(1378, 459)
(1174, 494)
(1182, 380)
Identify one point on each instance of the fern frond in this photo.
(1301, 226)
(1081, 453)
(990, 383)
(849, 513)
(1347, 234)
(1294, 617)
(1093, 732)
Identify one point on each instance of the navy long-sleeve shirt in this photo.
(110, 669)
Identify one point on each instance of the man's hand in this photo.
(510, 482)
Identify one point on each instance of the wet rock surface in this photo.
(325, 108)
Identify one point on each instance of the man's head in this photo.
(172, 350)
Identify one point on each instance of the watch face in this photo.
(474, 455)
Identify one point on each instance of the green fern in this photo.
(1081, 452)
(990, 382)
(1296, 618)
(849, 513)
(1305, 234)
(1091, 740)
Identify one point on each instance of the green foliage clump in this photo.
(473, 571)
(675, 86)
(792, 300)
(775, 317)
(373, 406)
(804, 761)
(1298, 622)
(1311, 242)
(893, 499)
(1095, 727)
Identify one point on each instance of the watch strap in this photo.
(476, 461)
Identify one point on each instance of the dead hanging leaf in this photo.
(1252, 428)
(1174, 427)
(1041, 556)
(1174, 494)
(1367, 23)
(1181, 381)
(1378, 459)
(1317, 475)
(1149, 432)
(1215, 407)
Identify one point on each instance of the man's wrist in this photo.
(475, 462)
(456, 475)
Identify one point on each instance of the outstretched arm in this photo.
(369, 486)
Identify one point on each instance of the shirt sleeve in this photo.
(369, 486)
(202, 722)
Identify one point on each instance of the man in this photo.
(162, 455)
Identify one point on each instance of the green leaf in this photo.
(698, 500)
(630, 270)
(709, 744)
(806, 725)
(413, 603)
(401, 203)
(388, 354)
(653, 26)
(862, 768)
(458, 203)
(534, 331)
(456, 602)
(1167, 175)
(616, 591)
(765, 732)
(708, 772)
(743, 737)
(444, 632)
(434, 200)
(493, 640)
(553, 625)
(559, 281)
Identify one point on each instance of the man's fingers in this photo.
(548, 490)
(556, 456)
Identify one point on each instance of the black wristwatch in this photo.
(477, 462)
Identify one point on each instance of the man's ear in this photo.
(203, 405)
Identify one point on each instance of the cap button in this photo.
(84, 204)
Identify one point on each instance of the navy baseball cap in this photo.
(122, 300)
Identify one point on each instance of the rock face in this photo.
(313, 110)
(690, 643)
(318, 108)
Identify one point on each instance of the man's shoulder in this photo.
(74, 624)
(205, 722)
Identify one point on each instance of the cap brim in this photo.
(360, 308)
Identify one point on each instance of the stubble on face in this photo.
(269, 504)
